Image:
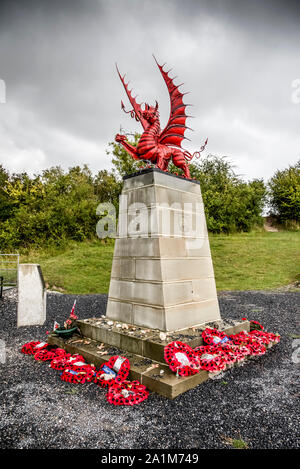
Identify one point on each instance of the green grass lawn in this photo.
(246, 261)
(256, 261)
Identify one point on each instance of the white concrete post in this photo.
(31, 295)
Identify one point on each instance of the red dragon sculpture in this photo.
(156, 146)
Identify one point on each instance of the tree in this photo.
(284, 194)
(107, 187)
(123, 162)
(231, 204)
(52, 208)
(5, 203)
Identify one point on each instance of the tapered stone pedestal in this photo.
(162, 273)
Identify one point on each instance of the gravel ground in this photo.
(258, 402)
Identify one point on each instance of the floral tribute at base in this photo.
(211, 358)
(48, 354)
(32, 347)
(75, 370)
(219, 351)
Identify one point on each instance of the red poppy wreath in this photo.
(214, 337)
(30, 348)
(231, 354)
(48, 354)
(181, 359)
(266, 338)
(65, 361)
(115, 371)
(127, 393)
(211, 358)
(245, 338)
(82, 374)
(257, 349)
(60, 363)
(75, 358)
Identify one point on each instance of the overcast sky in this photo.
(238, 59)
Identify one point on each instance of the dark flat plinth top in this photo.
(156, 170)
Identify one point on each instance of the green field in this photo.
(246, 261)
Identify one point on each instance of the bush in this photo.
(5, 202)
(284, 194)
(231, 204)
(54, 207)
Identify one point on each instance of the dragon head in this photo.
(150, 113)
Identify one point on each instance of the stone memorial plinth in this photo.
(162, 273)
(162, 285)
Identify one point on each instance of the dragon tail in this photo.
(189, 156)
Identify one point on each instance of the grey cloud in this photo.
(238, 59)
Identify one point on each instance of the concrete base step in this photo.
(149, 342)
(143, 369)
(102, 338)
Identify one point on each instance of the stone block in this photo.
(149, 316)
(137, 292)
(197, 247)
(191, 314)
(119, 310)
(123, 268)
(164, 220)
(160, 178)
(145, 195)
(149, 293)
(204, 289)
(169, 385)
(136, 247)
(168, 270)
(184, 247)
(170, 196)
(32, 295)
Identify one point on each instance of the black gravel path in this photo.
(258, 402)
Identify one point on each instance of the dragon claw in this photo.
(120, 138)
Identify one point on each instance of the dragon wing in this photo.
(173, 134)
(137, 107)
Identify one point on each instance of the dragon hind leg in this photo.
(163, 157)
(180, 161)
